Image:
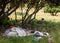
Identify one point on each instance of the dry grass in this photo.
(39, 15)
(13, 16)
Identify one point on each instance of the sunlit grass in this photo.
(12, 16)
(40, 15)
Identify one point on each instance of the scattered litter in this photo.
(6, 32)
(12, 34)
(15, 31)
(20, 32)
(46, 33)
(29, 32)
(39, 35)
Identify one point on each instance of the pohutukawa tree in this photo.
(36, 5)
(9, 6)
(53, 7)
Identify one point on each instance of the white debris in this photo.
(15, 31)
(20, 32)
(6, 32)
(46, 33)
(37, 38)
(12, 34)
(38, 33)
(41, 33)
(29, 32)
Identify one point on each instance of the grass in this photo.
(52, 25)
(28, 39)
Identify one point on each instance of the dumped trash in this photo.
(20, 32)
(46, 33)
(29, 32)
(37, 38)
(39, 35)
(17, 31)
(14, 31)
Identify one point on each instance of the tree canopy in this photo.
(53, 7)
(9, 6)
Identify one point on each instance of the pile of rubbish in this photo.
(39, 35)
(17, 31)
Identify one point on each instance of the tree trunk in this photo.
(15, 16)
(22, 16)
(35, 16)
(52, 14)
(55, 13)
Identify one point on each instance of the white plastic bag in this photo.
(20, 32)
(12, 34)
(15, 31)
(38, 33)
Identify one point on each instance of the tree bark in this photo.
(35, 16)
(15, 16)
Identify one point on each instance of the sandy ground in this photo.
(39, 15)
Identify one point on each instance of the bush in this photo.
(33, 22)
(53, 10)
(7, 23)
(47, 26)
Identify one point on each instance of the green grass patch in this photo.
(28, 39)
